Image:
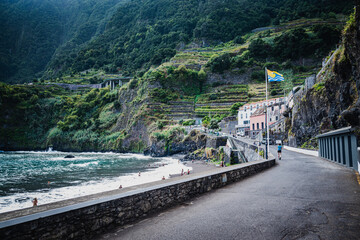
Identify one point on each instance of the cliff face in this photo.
(333, 102)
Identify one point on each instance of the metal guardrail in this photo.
(340, 146)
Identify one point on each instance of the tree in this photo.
(259, 49)
(220, 63)
(235, 108)
(214, 124)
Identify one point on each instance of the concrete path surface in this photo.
(302, 197)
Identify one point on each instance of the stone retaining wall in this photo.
(250, 150)
(215, 141)
(87, 219)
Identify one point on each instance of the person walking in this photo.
(279, 151)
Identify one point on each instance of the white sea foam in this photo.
(164, 167)
(83, 164)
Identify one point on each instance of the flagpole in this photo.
(267, 120)
(266, 116)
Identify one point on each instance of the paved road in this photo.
(302, 197)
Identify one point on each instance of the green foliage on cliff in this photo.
(40, 116)
(319, 86)
(181, 80)
(28, 112)
(276, 48)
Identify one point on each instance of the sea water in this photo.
(51, 177)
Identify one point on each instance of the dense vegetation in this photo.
(274, 49)
(115, 36)
(50, 116)
(145, 33)
(35, 31)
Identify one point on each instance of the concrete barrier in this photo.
(86, 219)
(303, 151)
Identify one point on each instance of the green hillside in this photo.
(145, 33)
(54, 38)
(185, 64)
(35, 31)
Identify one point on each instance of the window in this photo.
(245, 109)
(257, 125)
(277, 118)
(251, 108)
(257, 106)
(262, 125)
(272, 108)
(253, 126)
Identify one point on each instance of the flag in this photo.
(274, 76)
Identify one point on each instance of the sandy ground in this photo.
(199, 166)
(196, 165)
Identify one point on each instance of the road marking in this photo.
(357, 176)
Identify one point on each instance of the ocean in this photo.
(51, 177)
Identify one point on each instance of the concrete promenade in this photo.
(303, 151)
(303, 197)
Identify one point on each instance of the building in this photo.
(244, 113)
(257, 119)
(257, 122)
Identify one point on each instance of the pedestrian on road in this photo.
(279, 151)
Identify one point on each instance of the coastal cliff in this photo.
(333, 102)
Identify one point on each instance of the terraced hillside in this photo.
(234, 73)
(220, 99)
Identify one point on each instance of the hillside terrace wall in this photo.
(84, 220)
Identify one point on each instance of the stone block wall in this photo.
(250, 150)
(215, 142)
(87, 219)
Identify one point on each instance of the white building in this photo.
(247, 110)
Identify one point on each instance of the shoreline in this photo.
(195, 167)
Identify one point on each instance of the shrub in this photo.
(160, 125)
(214, 124)
(189, 122)
(239, 40)
(235, 107)
(258, 76)
(133, 83)
(212, 97)
(220, 63)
